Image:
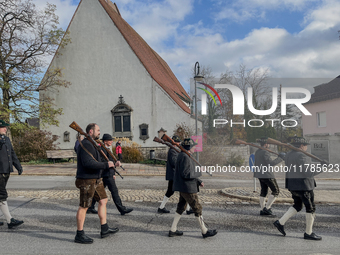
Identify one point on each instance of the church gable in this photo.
(154, 64)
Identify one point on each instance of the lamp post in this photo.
(198, 77)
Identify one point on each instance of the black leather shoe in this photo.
(312, 236)
(126, 211)
(163, 210)
(210, 233)
(177, 233)
(109, 232)
(14, 223)
(1, 223)
(267, 212)
(91, 210)
(280, 227)
(190, 211)
(82, 238)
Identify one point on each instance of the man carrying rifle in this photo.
(300, 182)
(90, 184)
(169, 175)
(263, 162)
(109, 178)
(186, 181)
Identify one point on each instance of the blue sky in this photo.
(290, 38)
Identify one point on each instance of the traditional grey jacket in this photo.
(263, 158)
(171, 164)
(186, 178)
(299, 178)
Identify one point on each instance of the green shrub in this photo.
(234, 160)
(31, 144)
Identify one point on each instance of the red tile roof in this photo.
(154, 64)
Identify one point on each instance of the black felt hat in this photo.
(107, 137)
(176, 139)
(188, 143)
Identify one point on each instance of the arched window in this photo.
(122, 119)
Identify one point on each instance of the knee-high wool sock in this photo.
(309, 223)
(5, 211)
(165, 200)
(290, 213)
(202, 225)
(175, 222)
(271, 200)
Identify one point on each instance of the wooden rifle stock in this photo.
(108, 151)
(77, 128)
(238, 141)
(166, 138)
(292, 147)
(158, 140)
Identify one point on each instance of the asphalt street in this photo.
(142, 182)
(50, 227)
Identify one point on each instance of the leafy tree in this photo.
(28, 37)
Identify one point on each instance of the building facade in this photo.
(322, 128)
(117, 80)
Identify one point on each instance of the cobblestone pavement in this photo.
(206, 196)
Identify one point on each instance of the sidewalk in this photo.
(70, 169)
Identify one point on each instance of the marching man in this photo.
(186, 181)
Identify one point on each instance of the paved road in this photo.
(142, 182)
(50, 228)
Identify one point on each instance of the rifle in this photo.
(292, 147)
(238, 142)
(166, 138)
(158, 140)
(108, 151)
(77, 128)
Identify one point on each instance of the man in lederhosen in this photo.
(186, 181)
(8, 158)
(300, 182)
(90, 184)
(266, 176)
(169, 175)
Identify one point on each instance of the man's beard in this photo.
(95, 137)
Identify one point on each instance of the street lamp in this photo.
(198, 77)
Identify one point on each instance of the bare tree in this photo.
(28, 37)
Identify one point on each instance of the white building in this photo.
(117, 80)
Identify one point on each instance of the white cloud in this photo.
(156, 21)
(312, 52)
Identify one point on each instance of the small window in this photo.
(321, 119)
(66, 136)
(118, 124)
(144, 132)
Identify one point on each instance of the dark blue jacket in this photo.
(88, 167)
(8, 158)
